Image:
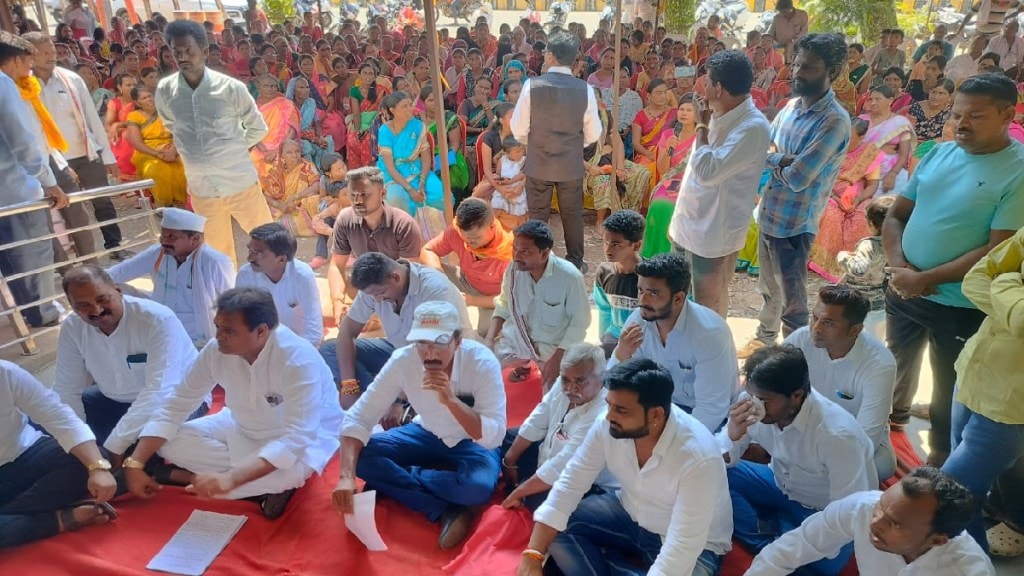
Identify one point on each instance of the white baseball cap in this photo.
(178, 219)
(434, 321)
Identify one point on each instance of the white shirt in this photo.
(520, 122)
(555, 309)
(141, 361)
(559, 430)
(69, 102)
(719, 187)
(475, 373)
(296, 298)
(961, 67)
(1009, 55)
(22, 397)
(213, 127)
(425, 285)
(284, 404)
(860, 382)
(681, 493)
(849, 519)
(701, 357)
(822, 456)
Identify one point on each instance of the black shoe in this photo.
(121, 255)
(273, 505)
(455, 523)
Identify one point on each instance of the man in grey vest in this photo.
(565, 120)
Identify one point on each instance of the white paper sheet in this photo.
(197, 543)
(363, 523)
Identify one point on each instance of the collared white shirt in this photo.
(69, 102)
(425, 285)
(1009, 54)
(296, 297)
(476, 373)
(141, 361)
(849, 519)
(701, 357)
(560, 430)
(520, 122)
(822, 456)
(860, 382)
(719, 188)
(214, 126)
(681, 493)
(23, 163)
(554, 309)
(284, 405)
(22, 397)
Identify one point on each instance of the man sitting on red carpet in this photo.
(279, 424)
(445, 462)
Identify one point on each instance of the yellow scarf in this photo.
(499, 249)
(30, 89)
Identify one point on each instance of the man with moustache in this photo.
(187, 274)
(444, 464)
(117, 357)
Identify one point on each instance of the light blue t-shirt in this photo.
(959, 198)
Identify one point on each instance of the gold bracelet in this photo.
(130, 463)
(350, 386)
(533, 554)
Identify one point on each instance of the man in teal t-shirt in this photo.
(964, 198)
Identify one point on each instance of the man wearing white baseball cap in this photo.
(445, 462)
(188, 275)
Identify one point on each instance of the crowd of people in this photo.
(895, 174)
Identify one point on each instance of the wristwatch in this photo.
(101, 464)
(132, 464)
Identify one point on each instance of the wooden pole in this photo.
(44, 24)
(657, 13)
(617, 25)
(442, 133)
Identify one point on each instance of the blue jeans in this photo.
(414, 467)
(601, 539)
(782, 284)
(27, 257)
(371, 355)
(761, 513)
(982, 450)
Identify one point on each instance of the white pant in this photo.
(201, 447)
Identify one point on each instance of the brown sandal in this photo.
(66, 517)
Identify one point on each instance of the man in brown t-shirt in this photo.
(368, 225)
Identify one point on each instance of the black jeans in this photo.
(783, 284)
(102, 414)
(910, 325)
(39, 482)
(93, 174)
(526, 466)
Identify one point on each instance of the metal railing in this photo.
(24, 335)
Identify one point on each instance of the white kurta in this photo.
(139, 363)
(282, 408)
(296, 298)
(191, 290)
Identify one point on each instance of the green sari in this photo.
(458, 171)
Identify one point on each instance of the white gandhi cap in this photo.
(178, 219)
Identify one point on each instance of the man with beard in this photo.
(542, 308)
(672, 515)
(187, 274)
(819, 454)
(808, 142)
(370, 224)
(117, 358)
(444, 464)
(692, 342)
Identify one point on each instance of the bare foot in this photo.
(91, 514)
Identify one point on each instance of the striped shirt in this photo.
(817, 138)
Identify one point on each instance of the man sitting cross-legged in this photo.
(117, 358)
(672, 515)
(187, 273)
(819, 453)
(542, 308)
(851, 367)
(691, 341)
(445, 462)
(44, 477)
(534, 455)
(279, 424)
(915, 528)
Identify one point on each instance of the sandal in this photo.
(518, 375)
(66, 517)
(1005, 541)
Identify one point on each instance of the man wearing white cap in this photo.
(188, 275)
(445, 462)
(117, 357)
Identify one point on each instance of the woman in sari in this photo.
(257, 68)
(673, 151)
(282, 118)
(476, 111)
(896, 79)
(860, 71)
(332, 124)
(474, 71)
(314, 141)
(489, 146)
(843, 223)
(116, 122)
(514, 70)
(458, 169)
(155, 156)
(604, 76)
(292, 190)
(892, 134)
(405, 158)
(364, 101)
(764, 75)
(648, 126)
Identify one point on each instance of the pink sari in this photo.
(651, 132)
